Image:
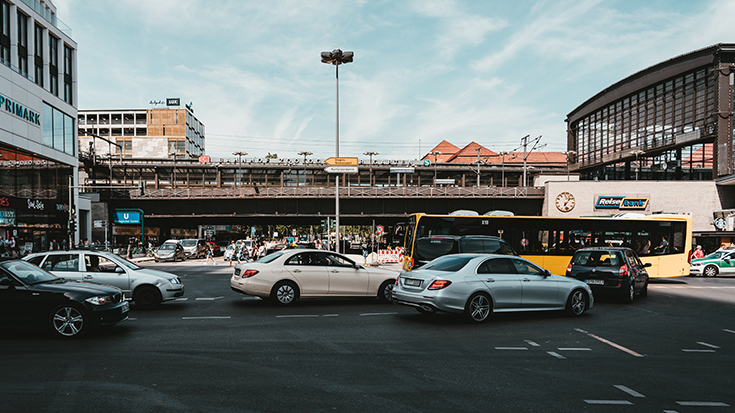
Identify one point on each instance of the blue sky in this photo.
(424, 70)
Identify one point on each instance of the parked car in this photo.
(612, 270)
(32, 297)
(147, 287)
(429, 248)
(169, 251)
(194, 248)
(221, 247)
(477, 285)
(289, 275)
(721, 261)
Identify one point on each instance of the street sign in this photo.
(444, 181)
(341, 169)
(402, 170)
(427, 162)
(379, 229)
(126, 217)
(341, 161)
(100, 224)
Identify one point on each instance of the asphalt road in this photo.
(217, 351)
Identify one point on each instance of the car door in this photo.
(727, 263)
(21, 304)
(500, 279)
(65, 265)
(344, 278)
(102, 270)
(538, 289)
(639, 273)
(310, 273)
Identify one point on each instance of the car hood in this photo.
(83, 287)
(704, 261)
(155, 273)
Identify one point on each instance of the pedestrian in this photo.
(698, 253)
(262, 250)
(130, 251)
(53, 246)
(364, 252)
(234, 249)
(210, 255)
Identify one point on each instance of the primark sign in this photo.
(15, 108)
(621, 202)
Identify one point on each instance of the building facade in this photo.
(38, 111)
(141, 133)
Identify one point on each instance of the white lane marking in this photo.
(607, 402)
(206, 318)
(629, 390)
(555, 354)
(729, 331)
(707, 344)
(691, 350)
(511, 348)
(370, 314)
(531, 343)
(297, 316)
(208, 298)
(574, 349)
(670, 411)
(706, 404)
(181, 299)
(608, 342)
(330, 315)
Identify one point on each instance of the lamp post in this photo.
(637, 165)
(239, 155)
(370, 154)
(305, 154)
(173, 183)
(502, 168)
(569, 154)
(337, 57)
(435, 153)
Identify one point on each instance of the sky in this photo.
(488, 71)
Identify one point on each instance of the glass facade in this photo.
(58, 130)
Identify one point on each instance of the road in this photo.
(217, 351)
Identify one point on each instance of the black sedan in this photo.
(615, 270)
(30, 296)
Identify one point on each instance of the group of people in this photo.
(258, 251)
(9, 247)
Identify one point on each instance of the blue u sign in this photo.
(126, 217)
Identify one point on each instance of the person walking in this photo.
(210, 255)
(234, 250)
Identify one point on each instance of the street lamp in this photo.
(435, 153)
(174, 154)
(569, 154)
(305, 154)
(337, 57)
(239, 155)
(502, 168)
(370, 154)
(637, 165)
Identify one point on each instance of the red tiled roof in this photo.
(468, 155)
(447, 151)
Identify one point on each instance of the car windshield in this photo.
(717, 255)
(450, 263)
(121, 261)
(167, 247)
(28, 273)
(429, 248)
(189, 242)
(596, 259)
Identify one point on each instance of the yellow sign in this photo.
(341, 161)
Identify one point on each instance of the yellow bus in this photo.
(663, 240)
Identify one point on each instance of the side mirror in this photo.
(646, 265)
(119, 270)
(547, 273)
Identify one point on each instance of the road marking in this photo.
(629, 390)
(181, 299)
(557, 355)
(330, 315)
(297, 316)
(370, 314)
(707, 404)
(511, 348)
(574, 349)
(707, 344)
(670, 411)
(607, 402)
(531, 343)
(691, 350)
(208, 298)
(729, 331)
(608, 342)
(206, 318)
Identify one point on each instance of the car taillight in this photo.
(439, 284)
(569, 270)
(623, 271)
(249, 273)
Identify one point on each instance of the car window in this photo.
(5, 280)
(36, 260)
(525, 267)
(270, 258)
(496, 266)
(307, 258)
(429, 248)
(448, 263)
(28, 273)
(336, 260)
(596, 259)
(96, 263)
(62, 262)
(473, 245)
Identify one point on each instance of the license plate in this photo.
(412, 283)
(596, 282)
(125, 307)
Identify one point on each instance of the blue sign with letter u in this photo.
(126, 217)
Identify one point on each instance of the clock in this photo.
(565, 202)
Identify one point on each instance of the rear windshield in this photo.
(486, 246)
(449, 263)
(428, 248)
(596, 259)
(189, 242)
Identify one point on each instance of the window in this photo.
(525, 267)
(38, 55)
(68, 63)
(23, 44)
(62, 262)
(53, 45)
(5, 32)
(496, 266)
(58, 130)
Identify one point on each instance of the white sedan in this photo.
(288, 275)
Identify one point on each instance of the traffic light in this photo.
(72, 225)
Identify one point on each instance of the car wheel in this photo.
(147, 298)
(285, 293)
(577, 303)
(68, 321)
(644, 291)
(710, 271)
(386, 290)
(478, 307)
(156, 260)
(629, 294)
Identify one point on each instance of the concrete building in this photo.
(38, 111)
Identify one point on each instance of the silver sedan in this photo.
(477, 285)
(288, 275)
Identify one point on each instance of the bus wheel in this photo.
(710, 271)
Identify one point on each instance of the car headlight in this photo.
(99, 300)
(175, 280)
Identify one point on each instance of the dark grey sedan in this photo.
(477, 285)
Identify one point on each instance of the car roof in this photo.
(464, 237)
(604, 249)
